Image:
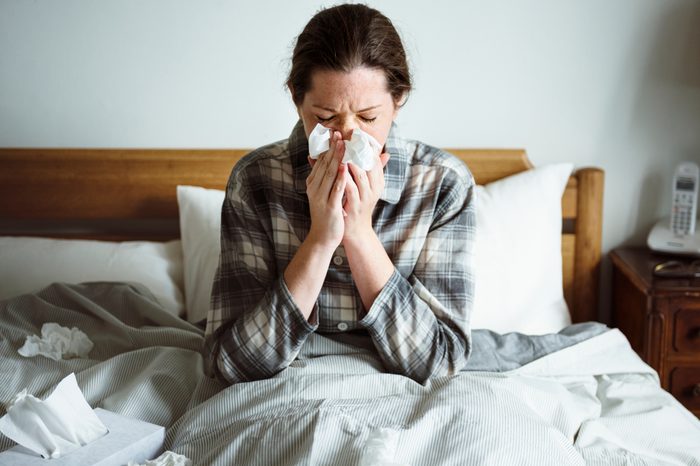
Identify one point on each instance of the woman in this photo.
(324, 246)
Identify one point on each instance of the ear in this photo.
(291, 92)
(398, 104)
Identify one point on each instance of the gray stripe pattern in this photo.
(325, 406)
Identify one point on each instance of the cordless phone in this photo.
(685, 199)
(677, 235)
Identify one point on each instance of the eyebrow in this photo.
(334, 111)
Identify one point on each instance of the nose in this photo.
(346, 128)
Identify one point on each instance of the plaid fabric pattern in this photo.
(425, 219)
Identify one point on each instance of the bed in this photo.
(552, 393)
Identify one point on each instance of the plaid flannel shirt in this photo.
(425, 219)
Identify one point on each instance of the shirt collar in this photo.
(395, 171)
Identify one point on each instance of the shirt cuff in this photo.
(296, 313)
(394, 288)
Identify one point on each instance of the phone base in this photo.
(662, 239)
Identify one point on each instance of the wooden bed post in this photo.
(589, 227)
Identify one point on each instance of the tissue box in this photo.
(127, 440)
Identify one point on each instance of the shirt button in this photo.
(337, 260)
(342, 326)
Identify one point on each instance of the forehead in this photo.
(358, 87)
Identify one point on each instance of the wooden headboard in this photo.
(128, 194)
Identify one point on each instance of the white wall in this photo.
(610, 83)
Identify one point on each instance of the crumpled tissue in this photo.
(57, 343)
(361, 149)
(168, 458)
(380, 448)
(55, 426)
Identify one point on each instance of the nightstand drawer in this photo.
(685, 386)
(661, 319)
(686, 335)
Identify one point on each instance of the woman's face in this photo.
(346, 101)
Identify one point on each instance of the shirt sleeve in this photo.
(420, 323)
(254, 328)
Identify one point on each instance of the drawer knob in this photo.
(696, 390)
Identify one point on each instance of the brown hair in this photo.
(343, 38)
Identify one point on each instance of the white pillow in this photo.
(200, 230)
(518, 253)
(29, 264)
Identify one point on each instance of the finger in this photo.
(340, 153)
(319, 167)
(384, 159)
(352, 194)
(336, 196)
(360, 178)
(340, 150)
(315, 167)
(331, 172)
(376, 175)
(310, 178)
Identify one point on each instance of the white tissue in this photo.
(318, 140)
(55, 426)
(362, 149)
(380, 448)
(57, 343)
(168, 458)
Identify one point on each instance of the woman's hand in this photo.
(370, 265)
(324, 188)
(362, 191)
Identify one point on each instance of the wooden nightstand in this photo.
(661, 319)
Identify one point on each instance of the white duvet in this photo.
(594, 403)
(616, 411)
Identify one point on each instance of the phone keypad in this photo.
(682, 210)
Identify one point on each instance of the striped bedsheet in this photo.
(581, 398)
